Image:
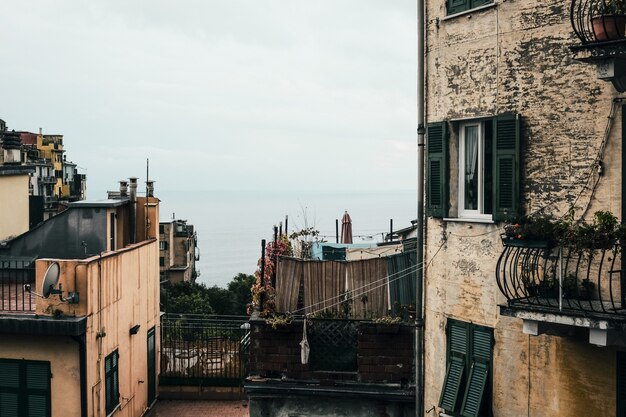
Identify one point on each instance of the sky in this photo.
(219, 95)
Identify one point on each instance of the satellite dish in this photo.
(50, 280)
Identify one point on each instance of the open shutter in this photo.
(476, 3)
(457, 351)
(457, 6)
(437, 170)
(475, 390)
(482, 342)
(506, 167)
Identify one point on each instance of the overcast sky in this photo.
(230, 94)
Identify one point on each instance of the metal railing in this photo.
(204, 350)
(583, 281)
(598, 21)
(13, 276)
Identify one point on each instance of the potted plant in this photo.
(608, 19)
(387, 324)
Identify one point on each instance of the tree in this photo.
(241, 286)
(186, 298)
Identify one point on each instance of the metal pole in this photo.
(390, 230)
(337, 230)
(262, 297)
(421, 132)
(286, 224)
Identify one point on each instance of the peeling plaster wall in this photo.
(515, 57)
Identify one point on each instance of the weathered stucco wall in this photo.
(118, 291)
(515, 57)
(62, 353)
(13, 205)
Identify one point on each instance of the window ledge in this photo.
(470, 11)
(115, 410)
(467, 220)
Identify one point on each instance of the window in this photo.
(25, 388)
(163, 245)
(161, 228)
(458, 6)
(111, 381)
(475, 176)
(467, 386)
(161, 261)
(486, 170)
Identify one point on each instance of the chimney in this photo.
(11, 145)
(133, 209)
(123, 188)
(150, 188)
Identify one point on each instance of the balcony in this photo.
(48, 180)
(14, 275)
(553, 288)
(600, 25)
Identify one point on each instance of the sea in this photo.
(231, 224)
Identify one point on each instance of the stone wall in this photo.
(516, 57)
(381, 357)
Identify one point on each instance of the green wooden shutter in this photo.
(457, 6)
(475, 389)
(9, 388)
(481, 353)
(437, 170)
(458, 336)
(506, 167)
(38, 386)
(477, 3)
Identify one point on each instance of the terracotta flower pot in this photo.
(609, 27)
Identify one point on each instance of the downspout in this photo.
(421, 131)
(82, 358)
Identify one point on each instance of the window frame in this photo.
(112, 377)
(464, 213)
(470, 360)
(23, 391)
(467, 6)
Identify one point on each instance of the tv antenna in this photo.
(48, 286)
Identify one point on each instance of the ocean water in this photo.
(230, 225)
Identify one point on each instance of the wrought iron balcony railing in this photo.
(561, 279)
(598, 21)
(13, 276)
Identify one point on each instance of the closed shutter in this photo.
(38, 385)
(457, 6)
(458, 336)
(506, 167)
(437, 170)
(9, 388)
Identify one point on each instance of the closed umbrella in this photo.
(346, 228)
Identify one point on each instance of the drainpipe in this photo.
(421, 131)
(82, 357)
(133, 209)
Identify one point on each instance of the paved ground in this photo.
(191, 408)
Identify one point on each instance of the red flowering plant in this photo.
(537, 228)
(262, 288)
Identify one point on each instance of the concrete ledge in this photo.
(167, 392)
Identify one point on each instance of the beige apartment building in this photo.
(79, 312)
(522, 121)
(179, 251)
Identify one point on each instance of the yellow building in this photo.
(51, 147)
(89, 348)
